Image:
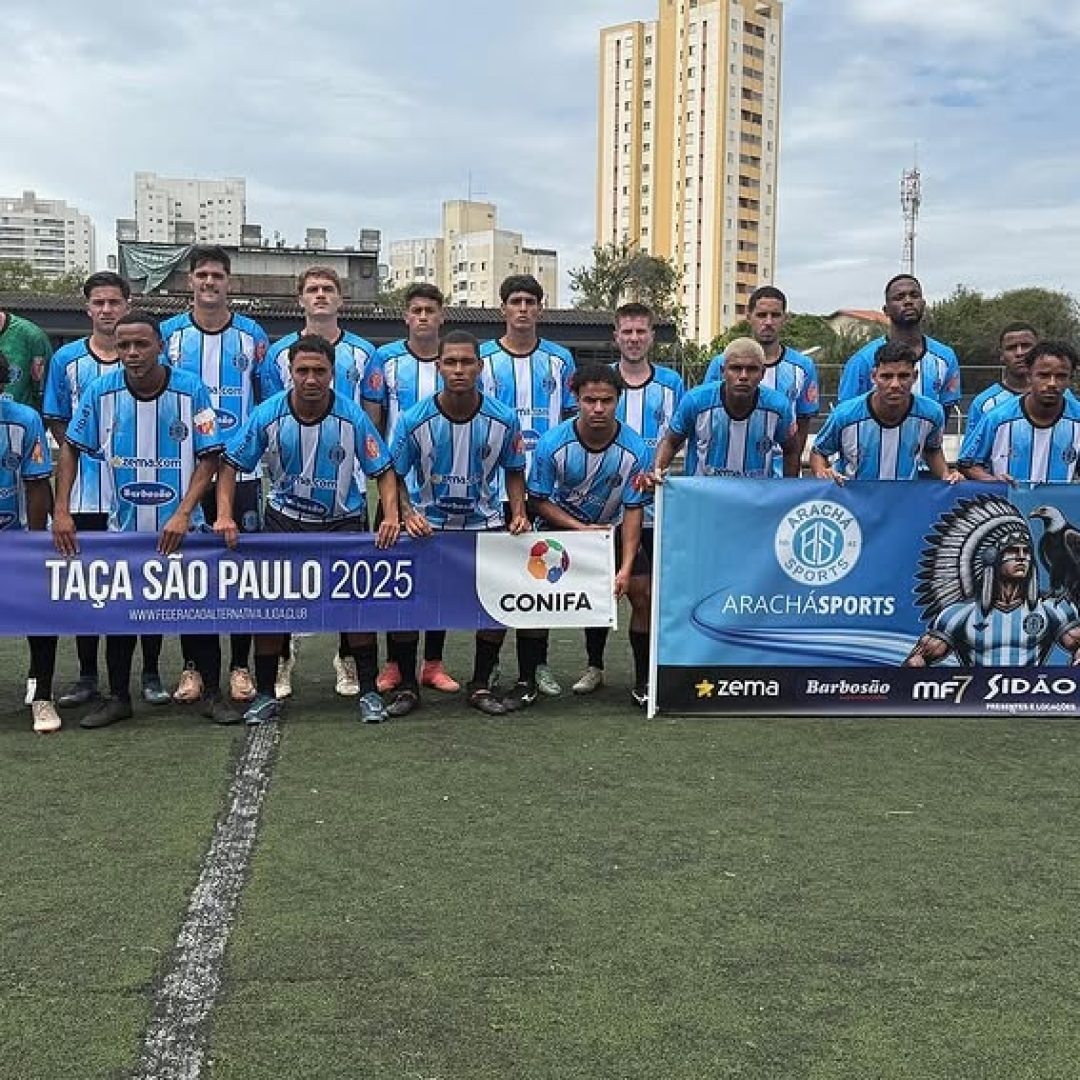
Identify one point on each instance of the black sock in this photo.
(286, 647)
(265, 672)
(151, 655)
(595, 642)
(119, 651)
(43, 662)
(343, 647)
(366, 658)
(639, 644)
(239, 650)
(86, 647)
(434, 644)
(402, 650)
(487, 656)
(530, 654)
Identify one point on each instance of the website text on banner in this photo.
(877, 598)
(308, 582)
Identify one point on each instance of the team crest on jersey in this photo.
(337, 454)
(11, 461)
(354, 377)
(371, 447)
(1069, 454)
(659, 415)
(241, 362)
(549, 385)
(178, 430)
(764, 445)
(205, 422)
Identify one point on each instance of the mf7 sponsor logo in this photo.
(952, 689)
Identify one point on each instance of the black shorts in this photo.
(247, 505)
(642, 566)
(277, 522)
(93, 522)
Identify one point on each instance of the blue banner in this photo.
(118, 583)
(799, 596)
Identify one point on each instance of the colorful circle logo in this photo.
(548, 560)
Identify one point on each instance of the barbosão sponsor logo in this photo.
(147, 493)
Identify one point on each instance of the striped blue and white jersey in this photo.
(648, 409)
(228, 362)
(990, 398)
(593, 486)
(318, 466)
(150, 448)
(73, 368)
(352, 356)
(536, 386)
(458, 463)
(1005, 441)
(794, 374)
(1020, 637)
(24, 455)
(937, 374)
(719, 445)
(398, 379)
(870, 450)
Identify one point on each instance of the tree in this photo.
(622, 272)
(971, 323)
(388, 297)
(19, 276)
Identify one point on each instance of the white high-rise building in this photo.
(472, 257)
(51, 236)
(189, 211)
(689, 140)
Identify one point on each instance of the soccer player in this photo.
(323, 444)
(532, 376)
(1033, 438)
(151, 425)
(454, 445)
(588, 473)
(400, 376)
(937, 370)
(734, 427)
(74, 367)
(792, 373)
(650, 395)
(225, 350)
(25, 499)
(27, 349)
(321, 299)
(883, 434)
(1016, 340)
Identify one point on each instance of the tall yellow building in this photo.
(689, 137)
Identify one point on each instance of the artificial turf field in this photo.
(569, 892)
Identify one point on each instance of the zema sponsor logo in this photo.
(147, 493)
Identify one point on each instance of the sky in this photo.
(357, 114)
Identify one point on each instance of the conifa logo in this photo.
(147, 493)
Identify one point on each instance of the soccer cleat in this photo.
(81, 692)
(153, 692)
(546, 682)
(389, 678)
(283, 679)
(261, 710)
(372, 708)
(108, 711)
(345, 670)
(46, 718)
(592, 678)
(483, 700)
(241, 685)
(433, 673)
(190, 687)
(520, 696)
(404, 701)
(31, 690)
(640, 694)
(215, 707)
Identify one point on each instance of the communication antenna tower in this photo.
(910, 201)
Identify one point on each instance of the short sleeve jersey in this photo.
(794, 374)
(593, 486)
(150, 447)
(318, 464)
(937, 375)
(871, 450)
(27, 349)
(990, 398)
(458, 462)
(398, 379)
(24, 455)
(73, 368)
(227, 362)
(1006, 441)
(717, 444)
(352, 355)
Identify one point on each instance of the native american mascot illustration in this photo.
(978, 588)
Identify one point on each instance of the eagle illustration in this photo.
(1059, 552)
